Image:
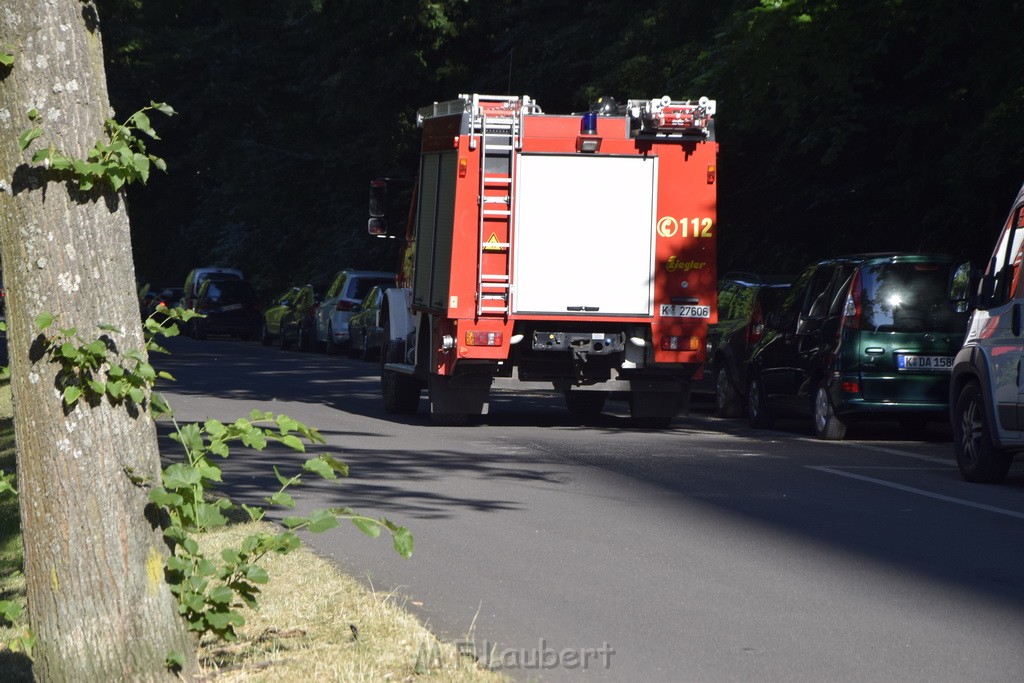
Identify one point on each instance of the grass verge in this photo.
(315, 623)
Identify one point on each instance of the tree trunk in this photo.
(94, 554)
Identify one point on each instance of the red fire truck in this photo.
(568, 253)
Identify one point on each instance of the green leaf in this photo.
(215, 428)
(163, 108)
(283, 499)
(164, 498)
(108, 327)
(179, 476)
(174, 660)
(6, 58)
(293, 442)
(326, 466)
(256, 574)
(221, 595)
(26, 138)
(322, 520)
(44, 320)
(71, 395)
(403, 542)
(370, 527)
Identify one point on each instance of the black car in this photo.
(229, 307)
(744, 302)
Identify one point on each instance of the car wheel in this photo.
(283, 340)
(304, 338)
(265, 334)
(728, 401)
(365, 353)
(976, 456)
(757, 406)
(330, 347)
(826, 424)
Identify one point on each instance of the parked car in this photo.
(744, 301)
(278, 318)
(306, 302)
(345, 293)
(194, 281)
(985, 395)
(364, 326)
(168, 297)
(859, 336)
(229, 307)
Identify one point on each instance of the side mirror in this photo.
(378, 198)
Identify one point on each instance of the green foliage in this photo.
(93, 369)
(122, 159)
(211, 591)
(6, 57)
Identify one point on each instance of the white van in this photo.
(986, 396)
(196, 278)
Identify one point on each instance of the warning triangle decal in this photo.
(493, 239)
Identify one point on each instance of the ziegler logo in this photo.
(690, 227)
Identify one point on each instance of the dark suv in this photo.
(229, 307)
(857, 336)
(744, 301)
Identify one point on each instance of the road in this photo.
(707, 552)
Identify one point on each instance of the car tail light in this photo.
(481, 338)
(344, 306)
(756, 329)
(851, 311)
(851, 387)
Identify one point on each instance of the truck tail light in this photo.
(680, 343)
(481, 338)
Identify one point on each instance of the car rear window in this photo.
(228, 290)
(908, 297)
(363, 285)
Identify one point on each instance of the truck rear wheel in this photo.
(652, 410)
(976, 456)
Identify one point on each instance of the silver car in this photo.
(343, 297)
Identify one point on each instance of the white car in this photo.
(347, 290)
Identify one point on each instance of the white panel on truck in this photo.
(584, 234)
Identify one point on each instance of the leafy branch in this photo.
(123, 159)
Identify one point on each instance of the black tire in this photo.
(330, 348)
(265, 334)
(728, 402)
(365, 353)
(976, 455)
(401, 393)
(826, 424)
(283, 340)
(197, 331)
(757, 406)
(304, 338)
(585, 404)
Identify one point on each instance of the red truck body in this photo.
(571, 253)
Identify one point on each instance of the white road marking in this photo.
(920, 492)
(893, 451)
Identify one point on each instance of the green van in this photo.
(870, 335)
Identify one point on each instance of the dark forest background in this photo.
(844, 126)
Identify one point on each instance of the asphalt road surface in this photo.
(706, 552)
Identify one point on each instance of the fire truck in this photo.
(562, 253)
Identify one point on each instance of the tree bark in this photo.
(94, 554)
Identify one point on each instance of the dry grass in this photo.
(315, 623)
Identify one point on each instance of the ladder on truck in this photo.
(496, 127)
